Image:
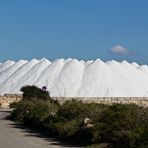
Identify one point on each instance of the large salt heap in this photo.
(73, 78)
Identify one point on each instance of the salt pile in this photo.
(73, 78)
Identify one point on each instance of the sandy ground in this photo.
(12, 135)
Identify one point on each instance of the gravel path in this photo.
(12, 136)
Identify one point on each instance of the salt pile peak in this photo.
(76, 78)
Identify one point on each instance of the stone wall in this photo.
(143, 101)
(9, 98)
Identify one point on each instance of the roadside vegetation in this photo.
(90, 125)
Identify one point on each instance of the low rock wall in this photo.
(142, 101)
(7, 99)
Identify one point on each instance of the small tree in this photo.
(33, 92)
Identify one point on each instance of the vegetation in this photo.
(92, 125)
(30, 92)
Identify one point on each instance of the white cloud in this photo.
(118, 49)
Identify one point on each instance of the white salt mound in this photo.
(73, 78)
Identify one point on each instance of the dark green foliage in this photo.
(35, 106)
(33, 112)
(67, 129)
(13, 105)
(114, 126)
(122, 126)
(19, 111)
(33, 92)
(36, 112)
(74, 109)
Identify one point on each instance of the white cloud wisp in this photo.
(118, 49)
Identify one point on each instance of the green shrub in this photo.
(114, 126)
(72, 109)
(120, 125)
(20, 110)
(13, 105)
(67, 129)
(77, 109)
(37, 111)
(33, 112)
(33, 92)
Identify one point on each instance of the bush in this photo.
(36, 112)
(67, 129)
(19, 111)
(71, 110)
(121, 126)
(33, 112)
(35, 106)
(13, 105)
(114, 126)
(74, 109)
(33, 92)
(68, 121)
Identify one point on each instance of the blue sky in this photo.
(83, 29)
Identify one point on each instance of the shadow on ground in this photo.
(30, 132)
